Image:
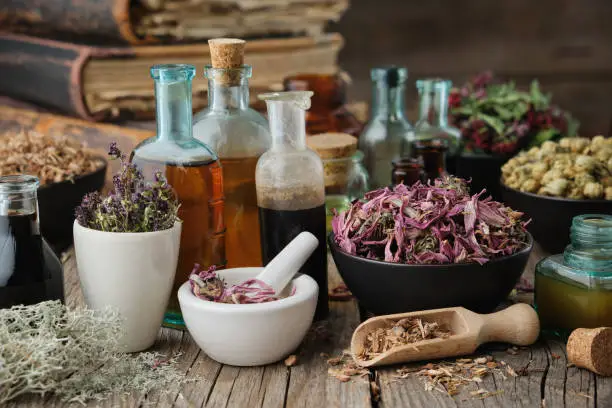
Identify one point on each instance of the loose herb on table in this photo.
(400, 333)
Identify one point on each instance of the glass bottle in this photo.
(388, 134)
(346, 181)
(434, 136)
(407, 170)
(328, 111)
(291, 189)
(30, 272)
(194, 172)
(574, 289)
(239, 135)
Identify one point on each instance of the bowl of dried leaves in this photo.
(66, 170)
(430, 246)
(557, 181)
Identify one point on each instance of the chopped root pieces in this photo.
(344, 367)
(291, 360)
(340, 293)
(450, 376)
(401, 333)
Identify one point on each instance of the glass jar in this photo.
(435, 137)
(346, 179)
(291, 188)
(193, 170)
(30, 272)
(239, 135)
(574, 289)
(328, 111)
(388, 134)
(407, 171)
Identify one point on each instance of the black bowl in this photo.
(386, 287)
(552, 216)
(57, 202)
(484, 171)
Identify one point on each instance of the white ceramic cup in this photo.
(131, 272)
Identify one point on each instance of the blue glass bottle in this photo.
(574, 289)
(388, 134)
(192, 169)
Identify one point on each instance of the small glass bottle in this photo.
(29, 269)
(407, 171)
(291, 188)
(435, 137)
(328, 111)
(388, 134)
(194, 172)
(239, 135)
(574, 289)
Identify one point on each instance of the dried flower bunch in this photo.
(73, 354)
(400, 333)
(429, 224)
(497, 118)
(133, 205)
(575, 167)
(51, 159)
(207, 285)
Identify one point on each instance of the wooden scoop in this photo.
(518, 324)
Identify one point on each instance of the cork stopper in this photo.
(332, 145)
(227, 54)
(591, 349)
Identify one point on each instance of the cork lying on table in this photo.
(591, 349)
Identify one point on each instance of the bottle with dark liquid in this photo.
(328, 111)
(291, 188)
(407, 170)
(239, 135)
(29, 269)
(194, 172)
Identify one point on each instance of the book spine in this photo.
(45, 72)
(89, 20)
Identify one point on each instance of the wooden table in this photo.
(545, 380)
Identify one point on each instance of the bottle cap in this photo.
(591, 349)
(227, 54)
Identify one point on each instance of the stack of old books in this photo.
(91, 58)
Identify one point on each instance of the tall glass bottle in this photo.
(434, 137)
(388, 134)
(29, 270)
(239, 135)
(192, 169)
(291, 188)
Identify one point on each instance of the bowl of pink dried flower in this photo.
(238, 320)
(429, 246)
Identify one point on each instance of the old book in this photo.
(169, 21)
(103, 83)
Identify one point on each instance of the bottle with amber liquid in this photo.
(239, 135)
(193, 170)
(29, 269)
(328, 111)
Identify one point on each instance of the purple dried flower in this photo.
(133, 205)
(439, 223)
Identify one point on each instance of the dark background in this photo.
(566, 44)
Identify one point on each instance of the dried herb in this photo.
(209, 286)
(73, 354)
(401, 333)
(429, 224)
(51, 159)
(133, 205)
(340, 293)
(450, 376)
(344, 367)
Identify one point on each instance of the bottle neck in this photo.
(223, 97)
(388, 101)
(590, 243)
(433, 104)
(287, 125)
(173, 108)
